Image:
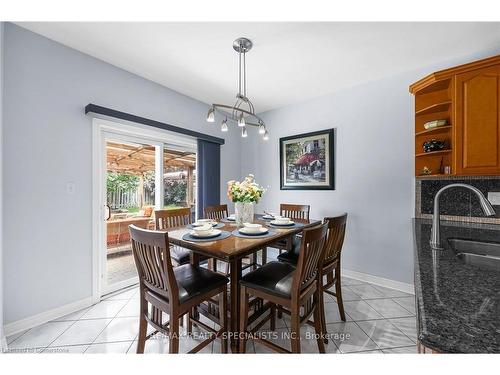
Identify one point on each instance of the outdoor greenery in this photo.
(175, 191)
(118, 181)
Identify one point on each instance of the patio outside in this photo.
(131, 197)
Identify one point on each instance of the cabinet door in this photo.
(477, 122)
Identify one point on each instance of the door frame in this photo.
(102, 130)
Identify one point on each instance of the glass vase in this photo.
(243, 212)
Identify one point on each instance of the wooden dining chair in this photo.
(295, 211)
(288, 286)
(173, 291)
(331, 262)
(217, 212)
(292, 211)
(166, 219)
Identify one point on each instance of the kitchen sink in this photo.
(484, 254)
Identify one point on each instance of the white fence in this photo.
(129, 198)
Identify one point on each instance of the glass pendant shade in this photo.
(266, 136)
(244, 133)
(223, 127)
(262, 129)
(241, 121)
(211, 115)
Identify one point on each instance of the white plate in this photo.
(289, 224)
(262, 230)
(231, 218)
(268, 217)
(213, 233)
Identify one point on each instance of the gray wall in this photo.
(374, 168)
(47, 143)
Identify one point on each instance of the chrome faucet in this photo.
(435, 233)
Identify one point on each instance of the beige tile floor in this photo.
(379, 320)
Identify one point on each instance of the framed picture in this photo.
(307, 161)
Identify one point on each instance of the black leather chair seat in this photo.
(291, 256)
(194, 281)
(274, 278)
(179, 254)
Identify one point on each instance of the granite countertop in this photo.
(458, 305)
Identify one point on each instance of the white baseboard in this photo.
(46, 316)
(388, 283)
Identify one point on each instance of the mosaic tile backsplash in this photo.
(456, 204)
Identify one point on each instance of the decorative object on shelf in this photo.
(307, 161)
(447, 169)
(433, 145)
(434, 124)
(242, 110)
(244, 195)
(425, 171)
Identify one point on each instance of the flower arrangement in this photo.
(247, 191)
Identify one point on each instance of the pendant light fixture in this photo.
(242, 112)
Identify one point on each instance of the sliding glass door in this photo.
(130, 200)
(139, 176)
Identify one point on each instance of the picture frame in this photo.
(307, 161)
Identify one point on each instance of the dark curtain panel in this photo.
(208, 170)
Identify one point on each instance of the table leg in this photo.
(235, 276)
(195, 261)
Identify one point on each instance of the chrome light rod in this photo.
(236, 112)
(232, 117)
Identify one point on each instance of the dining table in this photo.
(233, 250)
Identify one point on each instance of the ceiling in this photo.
(290, 62)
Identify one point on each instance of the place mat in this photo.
(295, 225)
(236, 233)
(224, 234)
(219, 225)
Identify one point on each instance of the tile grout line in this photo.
(404, 334)
(81, 319)
(403, 306)
(362, 330)
(71, 325)
(396, 317)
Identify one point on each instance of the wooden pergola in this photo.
(138, 160)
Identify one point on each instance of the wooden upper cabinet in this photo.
(467, 97)
(477, 122)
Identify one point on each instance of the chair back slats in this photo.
(217, 212)
(295, 211)
(334, 238)
(310, 257)
(178, 217)
(152, 259)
